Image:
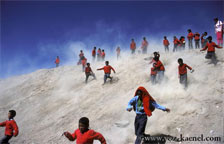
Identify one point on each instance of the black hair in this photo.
(216, 19)
(209, 38)
(189, 30)
(88, 64)
(84, 121)
(13, 113)
(164, 37)
(180, 60)
(107, 62)
(94, 47)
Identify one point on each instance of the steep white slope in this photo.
(51, 101)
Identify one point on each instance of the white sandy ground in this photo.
(51, 101)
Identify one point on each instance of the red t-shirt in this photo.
(211, 47)
(11, 127)
(107, 69)
(88, 137)
(183, 69)
(166, 42)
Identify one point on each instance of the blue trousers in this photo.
(140, 124)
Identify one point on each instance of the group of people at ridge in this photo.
(142, 102)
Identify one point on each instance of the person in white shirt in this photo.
(219, 31)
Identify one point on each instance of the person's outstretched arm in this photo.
(71, 137)
(99, 136)
(158, 106)
(2, 124)
(130, 104)
(100, 68)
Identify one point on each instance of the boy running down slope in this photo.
(107, 70)
(11, 128)
(84, 135)
(143, 104)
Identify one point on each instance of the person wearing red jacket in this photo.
(83, 62)
(143, 104)
(94, 54)
(166, 44)
(153, 74)
(160, 69)
(103, 55)
(118, 50)
(57, 61)
(182, 70)
(190, 38)
(99, 54)
(11, 128)
(211, 50)
(84, 135)
(107, 71)
(182, 43)
(89, 72)
(133, 46)
(176, 43)
(144, 45)
(196, 40)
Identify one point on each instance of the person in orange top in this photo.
(107, 71)
(176, 42)
(83, 61)
(132, 46)
(196, 40)
(89, 72)
(153, 74)
(211, 50)
(144, 45)
(103, 55)
(11, 128)
(182, 69)
(118, 50)
(182, 43)
(190, 38)
(166, 44)
(99, 54)
(160, 68)
(84, 135)
(94, 54)
(57, 61)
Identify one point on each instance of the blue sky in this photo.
(33, 33)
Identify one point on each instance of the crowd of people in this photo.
(142, 102)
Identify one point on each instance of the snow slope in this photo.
(51, 101)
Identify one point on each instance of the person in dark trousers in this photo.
(190, 38)
(107, 71)
(11, 128)
(176, 42)
(84, 135)
(143, 104)
(160, 69)
(166, 44)
(182, 69)
(144, 46)
(211, 50)
(94, 54)
(133, 46)
(197, 40)
(57, 61)
(89, 72)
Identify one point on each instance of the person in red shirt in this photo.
(83, 62)
(84, 135)
(11, 128)
(196, 40)
(89, 72)
(118, 50)
(57, 61)
(166, 44)
(103, 55)
(160, 69)
(99, 54)
(211, 50)
(182, 69)
(107, 71)
(176, 42)
(182, 43)
(81, 55)
(153, 74)
(133, 46)
(144, 45)
(190, 38)
(94, 54)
